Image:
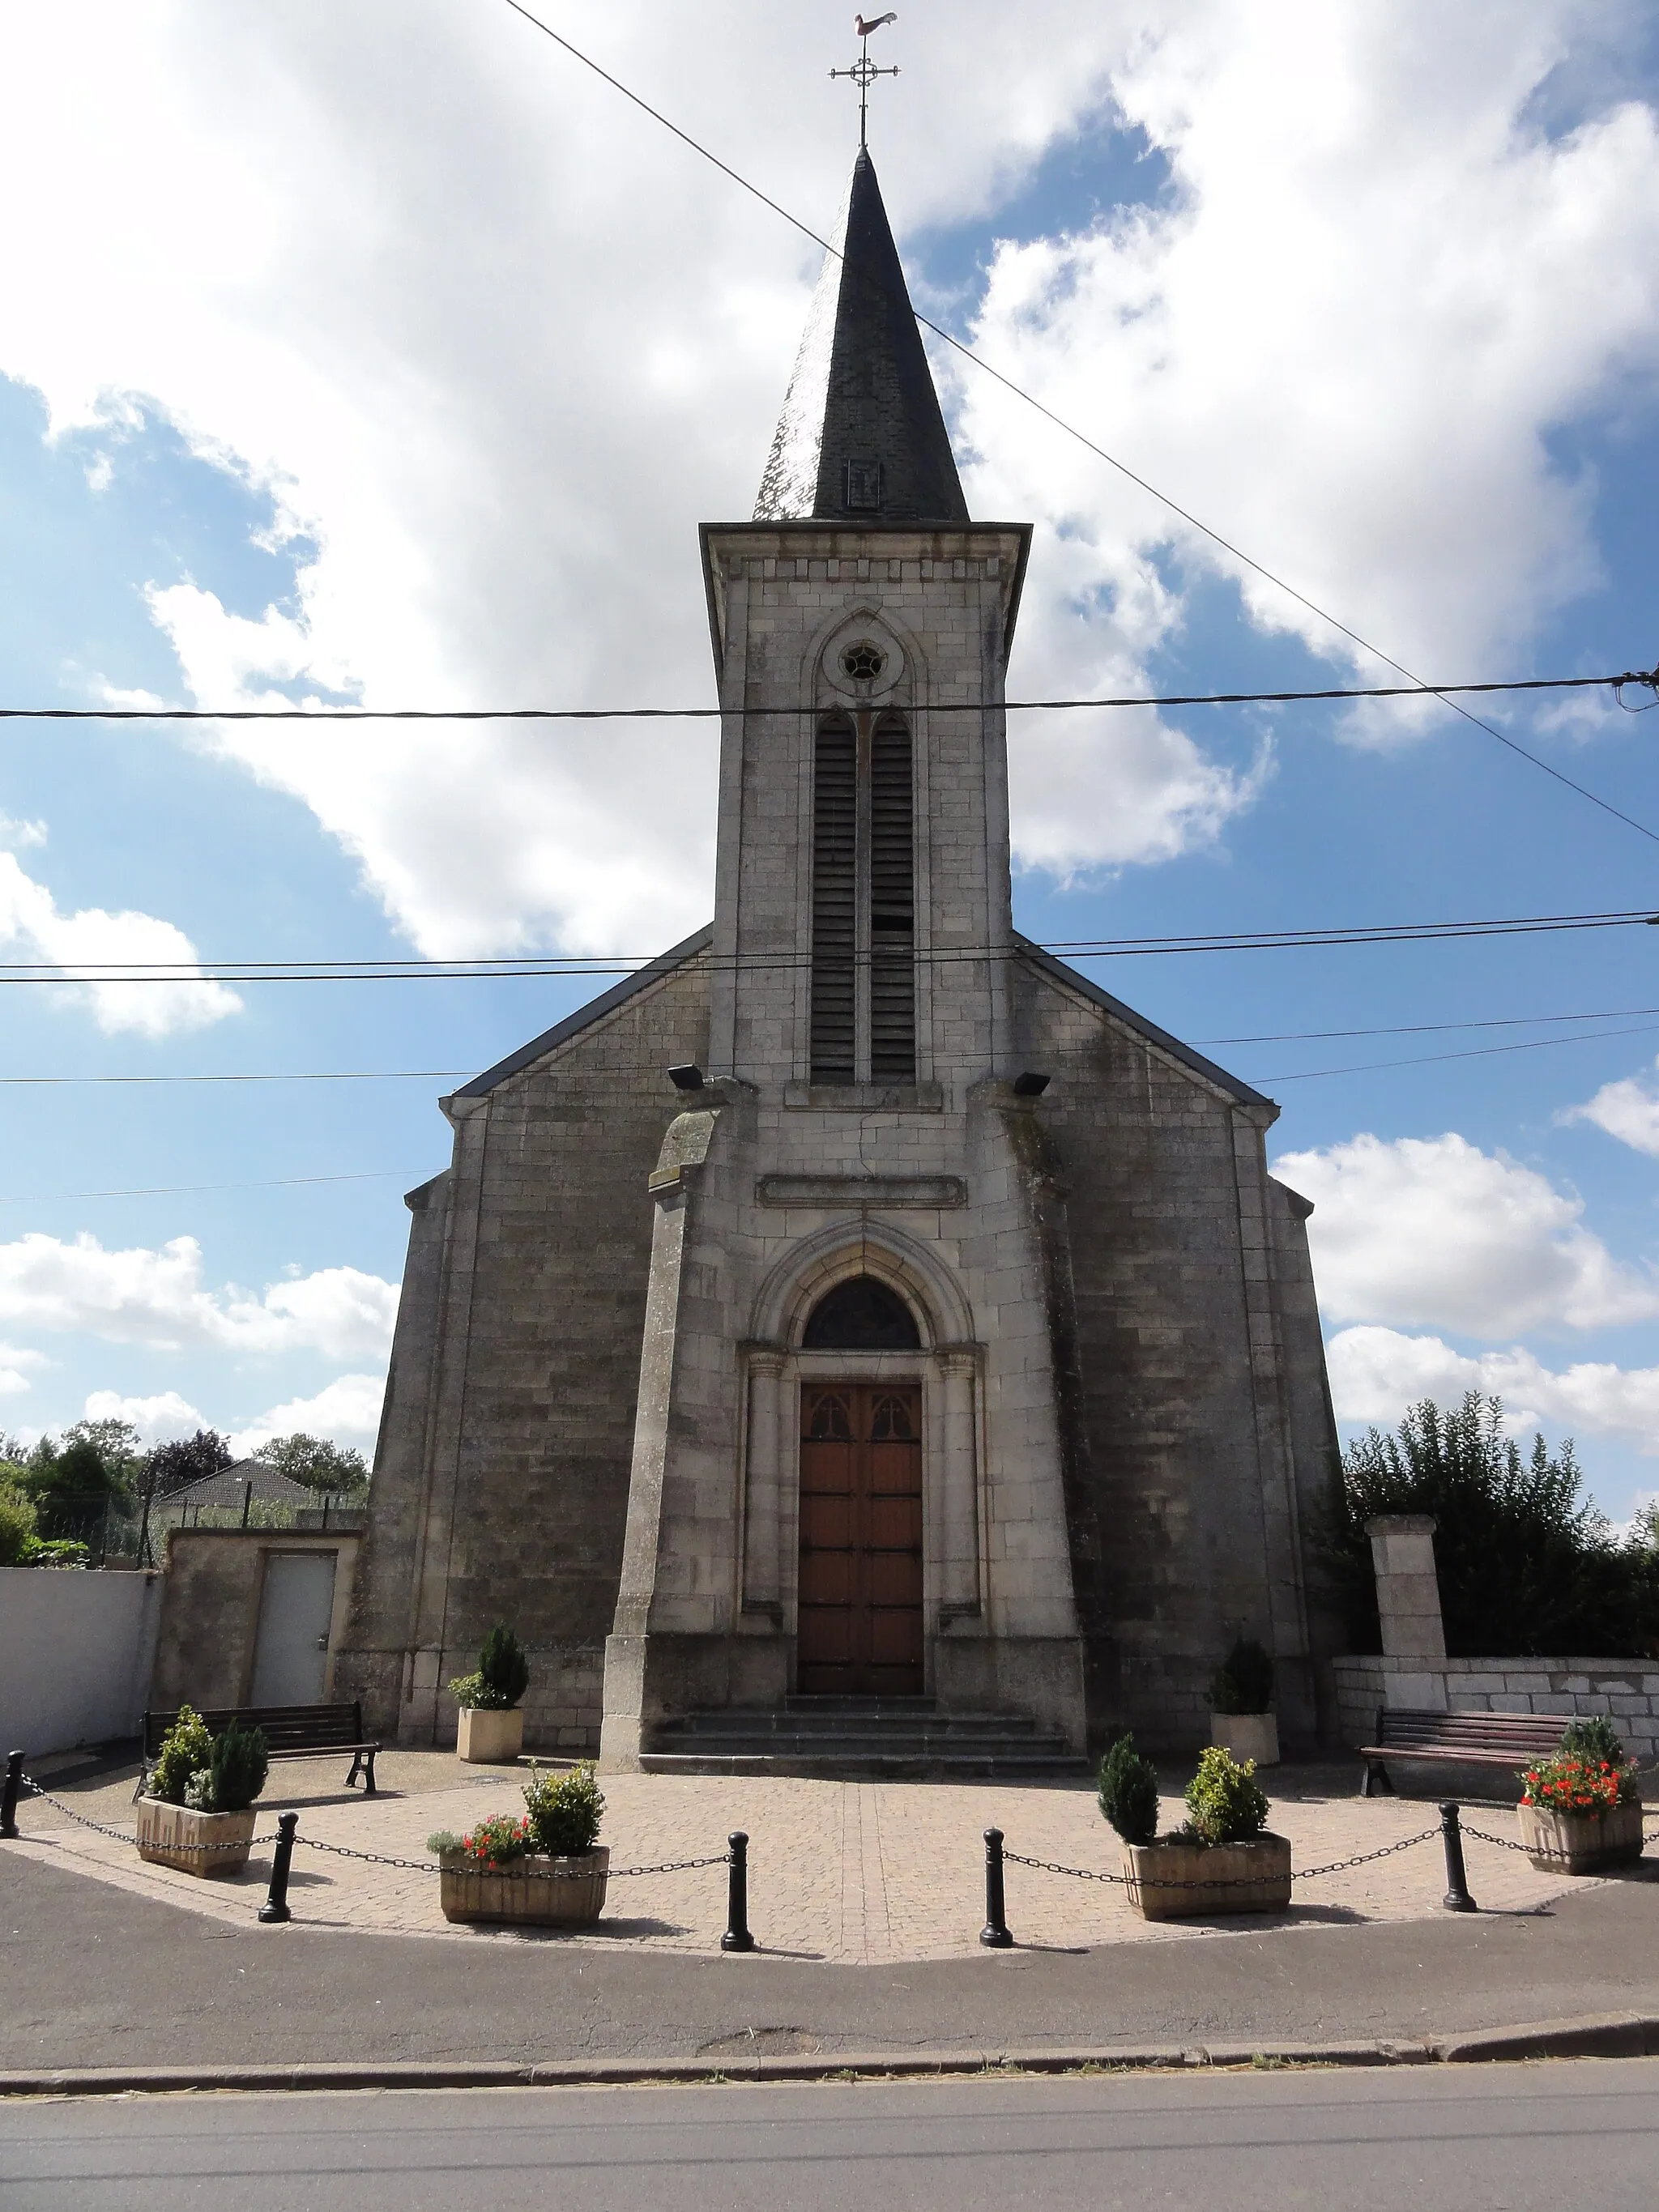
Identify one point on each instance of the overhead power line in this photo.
(534, 966)
(956, 344)
(326, 714)
(455, 1074)
(1472, 1052)
(190, 1189)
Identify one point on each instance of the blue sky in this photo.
(421, 401)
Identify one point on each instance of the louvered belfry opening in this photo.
(834, 902)
(864, 904)
(892, 906)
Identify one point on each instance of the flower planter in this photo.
(1156, 1873)
(486, 1735)
(1247, 1736)
(195, 1842)
(523, 1891)
(1581, 1843)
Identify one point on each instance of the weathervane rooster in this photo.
(864, 71)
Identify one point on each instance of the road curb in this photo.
(1609, 2035)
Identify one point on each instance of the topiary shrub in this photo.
(239, 1767)
(1245, 1682)
(505, 1669)
(1225, 1804)
(1128, 1792)
(503, 1678)
(186, 1748)
(1594, 1737)
(565, 1810)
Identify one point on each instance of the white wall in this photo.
(76, 1652)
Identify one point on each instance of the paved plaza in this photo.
(856, 1874)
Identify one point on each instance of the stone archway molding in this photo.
(845, 1249)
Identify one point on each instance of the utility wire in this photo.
(1100, 452)
(455, 1074)
(183, 1189)
(1427, 1059)
(1648, 677)
(537, 967)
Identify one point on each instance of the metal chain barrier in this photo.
(1243, 1881)
(531, 1874)
(125, 1835)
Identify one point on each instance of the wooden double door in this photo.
(861, 1541)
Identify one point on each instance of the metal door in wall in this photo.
(290, 1650)
(861, 1541)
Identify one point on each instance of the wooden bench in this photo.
(1510, 1740)
(290, 1732)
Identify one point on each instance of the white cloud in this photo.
(15, 1360)
(1432, 1232)
(158, 1419)
(21, 835)
(1628, 1110)
(499, 343)
(76, 944)
(1375, 1373)
(157, 1298)
(347, 1413)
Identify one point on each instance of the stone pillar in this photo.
(762, 1578)
(1408, 1587)
(958, 1551)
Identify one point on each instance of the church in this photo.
(856, 1341)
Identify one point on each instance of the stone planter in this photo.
(523, 1891)
(195, 1842)
(1247, 1736)
(487, 1737)
(1581, 1843)
(1155, 1872)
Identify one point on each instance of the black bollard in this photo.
(276, 1907)
(994, 1935)
(9, 1801)
(737, 1937)
(1457, 1898)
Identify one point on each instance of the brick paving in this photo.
(859, 1874)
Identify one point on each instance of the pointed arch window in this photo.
(864, 925)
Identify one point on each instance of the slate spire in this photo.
(862, 438)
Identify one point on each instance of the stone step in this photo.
(858, 1738)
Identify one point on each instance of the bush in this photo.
(186, 1748)
(565, 1810)
(1568, 1783)
(505, 1669)
(53, 1551)
(17, 1525)
(1594, 1737)
(1526, 1566)
(443, 1843)
(1225, 1804)
(1128, 1792)
(1245, 1683)
(239, 1764)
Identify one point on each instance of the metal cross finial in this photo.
(864, 71)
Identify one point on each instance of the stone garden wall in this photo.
(1628, 1689)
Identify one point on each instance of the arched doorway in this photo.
(859, 1613)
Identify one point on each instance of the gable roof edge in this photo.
(1059, 972)
(678, 955)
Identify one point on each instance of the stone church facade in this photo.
(934, 1337)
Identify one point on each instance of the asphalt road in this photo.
(92, 1976)
(1474, 2139)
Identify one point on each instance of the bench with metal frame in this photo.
(290, 1732)
(1510, 1740)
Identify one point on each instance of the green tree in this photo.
(74, 1484)
(316, 1462)
(1526, 1563)
(186, 1459)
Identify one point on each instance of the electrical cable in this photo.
(532, 967)
(1111, 459)
(183, 1189)
(1649, 677)
(1427, 1059)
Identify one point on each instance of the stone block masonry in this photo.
(1627, 1689)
